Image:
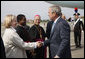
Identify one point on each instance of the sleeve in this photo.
(65, 36)
(46, 42)
(82, 24)
(20, 43)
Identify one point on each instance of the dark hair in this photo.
(20, 17)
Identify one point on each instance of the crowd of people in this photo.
(22, 41)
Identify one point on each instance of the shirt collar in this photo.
(56, 19)
(13, 28)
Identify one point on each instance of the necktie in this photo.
(52, 27)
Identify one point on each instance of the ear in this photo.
(54, 13)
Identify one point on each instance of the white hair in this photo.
(56, 9)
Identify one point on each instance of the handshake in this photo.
(39, 44)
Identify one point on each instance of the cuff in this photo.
(35, 45)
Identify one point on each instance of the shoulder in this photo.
(41, 27)
(27, 26)
(63, 23)
(33, 27)
(50, 22)
(9, 30)
(80, 19)
(8, 33)
(17, 27)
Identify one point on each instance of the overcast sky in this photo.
(31, 8)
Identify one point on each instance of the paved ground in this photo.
(76, 52)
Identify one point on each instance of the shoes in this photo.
(80, 46)
(76, 46)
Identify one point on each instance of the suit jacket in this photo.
(59, 40)
(48, 29)
(77, 27)
(23, 33)
(27, 27)
(15, 46)
(2, 50)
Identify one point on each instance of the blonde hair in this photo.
(8, 19)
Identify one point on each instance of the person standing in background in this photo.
(77, 30)
(37, 33)
(23, 30)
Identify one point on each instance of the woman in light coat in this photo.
(14, 46)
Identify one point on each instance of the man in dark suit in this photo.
(3, 55)
(77, 30)
(48, 31)
(23, 30)
(59, 40)
(48, 28)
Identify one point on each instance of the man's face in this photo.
(37, 20)
(76, 16)
(23, 22)
(50, 14)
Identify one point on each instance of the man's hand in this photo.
(39, 44)
(56, 56)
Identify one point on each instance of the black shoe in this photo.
(76, 46)
(80, 46)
